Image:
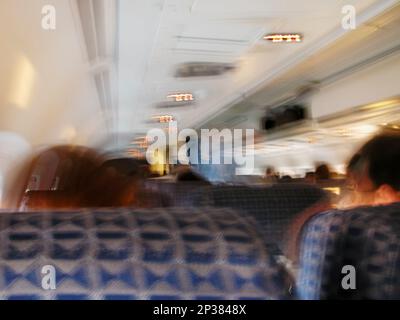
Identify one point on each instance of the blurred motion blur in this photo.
(313, 88)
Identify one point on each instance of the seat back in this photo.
(274, 207)
(129, 254)
(183, 194)
(367, 239)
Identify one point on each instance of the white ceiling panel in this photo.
(155, 36)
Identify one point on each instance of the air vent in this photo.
(98, 22)
(203, 69)
(91, 14)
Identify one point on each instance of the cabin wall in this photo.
(372, 84)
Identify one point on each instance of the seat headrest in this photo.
(175, 253)
(366, 239)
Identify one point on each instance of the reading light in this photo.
(135, 153)
(288, 38)
(334, 190)
(383, 104)
(181, 97)
(164, 119)
(141, 142)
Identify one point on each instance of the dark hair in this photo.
(354, 162)
(190, 176)
(286, 178)
(322, 172)
(270, 170)
(381, 155)
(128, 166)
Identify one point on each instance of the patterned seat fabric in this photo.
(366, 238)
(274, 207)
(183, 194)
(130, 254)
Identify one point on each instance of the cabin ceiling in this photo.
(110, 62)
(164, 34)
(369, 44)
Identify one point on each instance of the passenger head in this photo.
(271, 176)
(116, 183)
(322, 172)
(129, 166)
(374, 171)
(107, 187)
(270, 172)
(286, 179)
(190, 176)
(63, 172)
(84, 179)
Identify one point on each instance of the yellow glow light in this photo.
(164, 119)
(22, 83)
(141, 142)
(181, 97)
(159, 165)
(382, 104)
(366, 129)
(288, 38)
(334, 190)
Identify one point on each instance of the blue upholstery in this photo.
(274, 207)
(367, 238)
(182, 194)
(188, 194)
(137, 254)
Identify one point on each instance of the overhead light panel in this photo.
(164, 119)
(174, 100)
(140, 142)
(284, 38)
(383, 104)
(181, 97)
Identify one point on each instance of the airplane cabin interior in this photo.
(199, 150)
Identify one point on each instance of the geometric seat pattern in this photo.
(367, 238)
(182, 194)
(274, 207)
(126, 254)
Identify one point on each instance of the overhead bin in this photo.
(379, 81)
